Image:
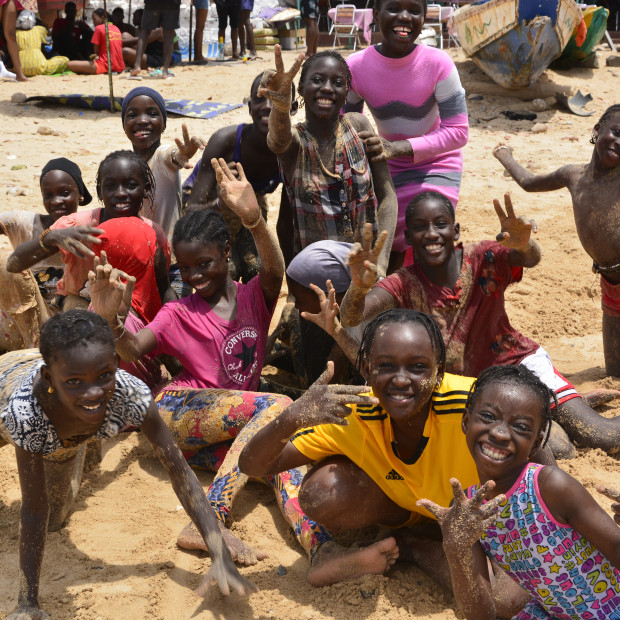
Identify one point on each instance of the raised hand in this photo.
(327, 318)
(329, 404)
(466, 520)
(187, 147)
(224, 573)
(109, 295)
(276, 85)
(363, 259)
(237, 193)
(613, 495)
(516, 231)
(73, 240)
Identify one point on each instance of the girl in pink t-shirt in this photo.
(219, 336)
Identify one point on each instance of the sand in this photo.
(116, 557)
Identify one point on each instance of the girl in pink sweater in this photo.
(415, 96)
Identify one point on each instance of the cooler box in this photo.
(287, 38)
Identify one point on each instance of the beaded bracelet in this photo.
(42, 237)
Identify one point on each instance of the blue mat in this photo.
(182, 107)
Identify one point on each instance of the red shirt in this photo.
(116, 48)
(472, 317)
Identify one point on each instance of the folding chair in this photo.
(344, 24)
(433, 19)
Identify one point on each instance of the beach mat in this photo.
(183, 107)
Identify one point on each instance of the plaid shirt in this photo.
(329, 205)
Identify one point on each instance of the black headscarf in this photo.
(73, 170)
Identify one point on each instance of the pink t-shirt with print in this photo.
(215, 353)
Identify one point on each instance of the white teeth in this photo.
(433, 246)
(400, 396)
(493, 454)
(92, 408)
(402, 29)
(201, 286)
(325, 101)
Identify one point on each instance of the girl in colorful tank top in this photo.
(539, 525)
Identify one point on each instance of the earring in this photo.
(50, 390)
(594, 137)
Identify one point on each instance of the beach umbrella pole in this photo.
(107, 46)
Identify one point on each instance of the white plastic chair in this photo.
(433, 19)
(344, 24)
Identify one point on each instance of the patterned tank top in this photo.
(568, 578)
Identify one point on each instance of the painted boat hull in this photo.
(514, 42)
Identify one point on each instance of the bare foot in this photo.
(135, 71)
(334, 563)
(22, 78)
(241, 553)
(596, 398)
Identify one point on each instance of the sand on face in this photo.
(117, 557)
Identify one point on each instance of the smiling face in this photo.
(608, 142)
(503, 427)
(402, 368)
(83, 379)
(60, 193)
(432, 231)
(143, 123)
(260, 109)
(122, 188)
(324, 88)
(203, 266)
(400, 23)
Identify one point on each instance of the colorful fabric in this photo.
(610, 301)
(472, 317)
(130, 244)
(204, 424)
(116, 48)
(430, 112)
(23, 422)
(566, 575)
(214, 352)
(76, 269)
(183, 107)
(331, 205)
(31, 57)
(368, 441)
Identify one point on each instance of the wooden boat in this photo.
(514, 41)
(575, 55)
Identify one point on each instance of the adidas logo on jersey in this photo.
(394, 475)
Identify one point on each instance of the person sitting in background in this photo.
(30, 37)
(153, 55)
(71, 37)
(99, 64)
(118, 19)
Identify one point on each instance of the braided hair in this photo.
(147, 176)
(517, 375)
(326, 54)
(430, 195)
(206, 226)
(65, 331)
(402, 316)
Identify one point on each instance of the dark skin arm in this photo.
(34, 516)
(193, 498)
(270, 452)
(285, 229)
(562, 177)
(74, 240)
(387, 203)
(282, 138)
(237, 194)
(569, 502)
(166, 292)
(462, 524)
(221, 145)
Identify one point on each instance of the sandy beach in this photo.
(116, 557)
